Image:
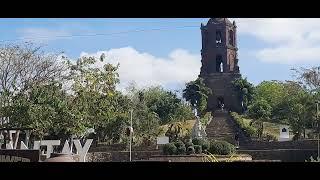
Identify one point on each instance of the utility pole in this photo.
(317, 102)
(131, 130)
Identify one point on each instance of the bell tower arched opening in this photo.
(231, 38)
(219, 64)
(218, 38)
(220, 102)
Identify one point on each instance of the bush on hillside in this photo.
(188, 144)
(205, 144)
(169, 149)
(221, 148)
(270, 137)
(197, 141)
(181, 148)
(247, 129)
(250, 131)
(197, 149)
(190, 150)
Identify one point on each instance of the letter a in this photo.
(66, 148)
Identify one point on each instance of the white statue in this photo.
(195, 112)
(198, 130)
(221, 67)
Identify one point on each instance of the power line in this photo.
(98, 34)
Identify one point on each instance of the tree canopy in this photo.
(63, 97)
(197, 93)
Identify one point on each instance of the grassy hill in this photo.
(186, 126)
(269, 128)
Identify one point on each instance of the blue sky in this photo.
(268, 48)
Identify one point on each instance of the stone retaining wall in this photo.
(199, 158)
(284, 155)
(98, 157)
(155, 156)
(120, 147)
(119, 156)
(300, 144)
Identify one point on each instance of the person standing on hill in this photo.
(236, 137)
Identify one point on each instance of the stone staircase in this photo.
(222, 127)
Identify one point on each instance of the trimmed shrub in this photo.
(188, 144)
(190, 150)
(197, 141)
(181, 148)
(205, 145)
(221, 148)
(197, 149)
(169, 149)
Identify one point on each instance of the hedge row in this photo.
(199, 146)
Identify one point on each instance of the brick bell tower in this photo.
(220, 63)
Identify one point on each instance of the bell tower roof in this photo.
(219, 21)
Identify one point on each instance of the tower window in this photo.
(218, 38)
(219, 64)
(231, 38)
(205, 39)
(220, 101)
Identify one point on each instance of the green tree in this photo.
(96, 100)
(166, 104)
(145, 121)
(45, 109)
(271, 91)
(183, 112)
(297, 108)
(260, 109)
(309, 77)
(197, 93)
(245, 91)
(24, 66)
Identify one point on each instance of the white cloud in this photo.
(292, 41)
(145, 69)
(43, 34)
(290, 55)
